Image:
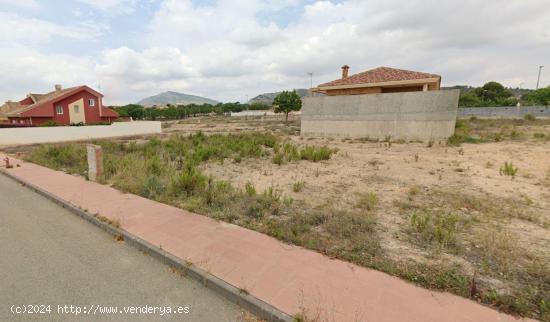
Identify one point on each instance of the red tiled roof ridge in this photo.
(379, 75)
(43, 98)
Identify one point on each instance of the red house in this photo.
(75, 105)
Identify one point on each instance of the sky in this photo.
(229, 50)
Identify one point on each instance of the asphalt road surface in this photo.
(51, 259)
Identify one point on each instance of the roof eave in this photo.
(379, 84)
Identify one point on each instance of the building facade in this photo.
(75, 105)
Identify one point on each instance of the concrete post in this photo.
(95, 161)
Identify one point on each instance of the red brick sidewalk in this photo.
(287, 277)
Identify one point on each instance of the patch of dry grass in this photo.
(492, 130)
(113, 222)
(473, 228)
(367, 201)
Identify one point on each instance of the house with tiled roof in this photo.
(380, 80)
(74, 105)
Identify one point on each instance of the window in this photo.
(91, 102)
(59, 110)
(76, 109)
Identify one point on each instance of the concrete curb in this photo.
(243, 299)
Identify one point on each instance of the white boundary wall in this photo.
(262, 113)
(32, 135)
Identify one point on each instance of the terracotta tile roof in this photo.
(107, 112)
(16, 108)
(39, 100)
(9, 107)
(38, 97)
(378, 75)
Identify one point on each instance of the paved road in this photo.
(50, 256)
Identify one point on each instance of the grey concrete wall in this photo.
(410, 115)
(504, 111)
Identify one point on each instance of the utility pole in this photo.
(310, 83)
(538, 79)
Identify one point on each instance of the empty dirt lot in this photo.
(505, 217)
(470, 215)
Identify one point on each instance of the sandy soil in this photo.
(390, 170)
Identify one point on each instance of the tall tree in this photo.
(286, 102)
(490, 94)
(540, 97)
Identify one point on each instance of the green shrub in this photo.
(439, 227)
(278, 158)
(456, 140)
(289, 152)
(249, 189)
(273, 194)
(189, 181)
(514, 134)
(316, 154)
(50, 123)
(367, 201)
(152, 187)
(508, 169)
(529, 117)
(298, 186)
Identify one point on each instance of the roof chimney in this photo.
(345, 70)
(57, 87)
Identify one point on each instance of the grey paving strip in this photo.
(243, 299)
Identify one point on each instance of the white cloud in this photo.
(142, 72)
(26, 67)
(225, 51)
(31, 71)
(112, 7)
(23, 4)
(16, 30)
(467, 42)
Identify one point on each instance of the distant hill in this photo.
(175, 98)
(267, 98)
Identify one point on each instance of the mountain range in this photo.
(175, 98)
(267, 98)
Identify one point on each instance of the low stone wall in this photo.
(410, 115)
(504, 111)
(32, 135)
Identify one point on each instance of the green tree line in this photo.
(173, 112)
(495, 94)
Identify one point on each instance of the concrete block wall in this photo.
(409, 115)
(504, 111)
(33, 135)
